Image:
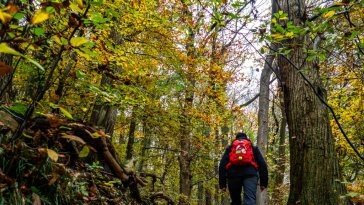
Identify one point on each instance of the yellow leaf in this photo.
(289, 34)
(5, 17)
(329, 14)
(84, 152)
(65, 113)
(52, 155)
(277, 36)
(82, 54)
(80, 3)
(78, 41)
(74, 138)
(40, 16)
(75, 8)
(4, 48)
(57, 39)
(96, 135)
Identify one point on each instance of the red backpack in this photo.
(241, 153)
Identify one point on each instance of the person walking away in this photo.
(240, 167)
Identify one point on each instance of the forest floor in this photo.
(57, 161)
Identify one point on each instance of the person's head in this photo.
(241, 135)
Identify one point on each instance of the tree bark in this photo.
(314, 173)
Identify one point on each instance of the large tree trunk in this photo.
(314, 166)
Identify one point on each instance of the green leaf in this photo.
(66, 113)
(38, 31)
(78, 41)
(34, 62)
(84, 152)
(4, 48)
(64, 41)
(50, 9)
(80, 74)
(19, 108)
(19, 16)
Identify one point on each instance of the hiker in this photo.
(239, 166)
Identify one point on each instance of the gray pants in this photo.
(236, 185)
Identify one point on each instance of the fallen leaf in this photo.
(84, 152)
(74, 138)
(36, 199)
(5, 69)
(52, 155)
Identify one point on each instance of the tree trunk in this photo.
(208, 196)
(62, 81)
(277, 196)
(314, 173)
(185, 179)
(185, 158)
(200, 193)
(263, 126)
(145, 143)
(104, 115)
(131, 137)
(6, 91)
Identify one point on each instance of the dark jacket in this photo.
(243, 171)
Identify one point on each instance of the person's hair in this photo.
(241, 135)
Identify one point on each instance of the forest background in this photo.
(171, 82)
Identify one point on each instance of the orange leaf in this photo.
(4, 69)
